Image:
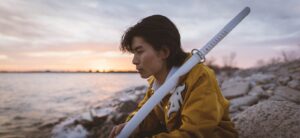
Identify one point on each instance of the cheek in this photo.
(151, 61)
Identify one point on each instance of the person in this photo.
(196, 107)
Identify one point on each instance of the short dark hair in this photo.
(160, 32)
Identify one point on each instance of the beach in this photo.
(264, 102)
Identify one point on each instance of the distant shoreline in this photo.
(68, 72)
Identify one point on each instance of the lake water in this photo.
(29, 99)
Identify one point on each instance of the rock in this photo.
(140, 88)
(269, 119)
(256, 90)
(270, 86)
(50, 123)
(288, 93)
(242, 108)
(233, 89)
(296, 76)
(295, 84)
(68, 129)
(270, 92)
(19, 118)
(127, 106)
(119, 118)
(260, 78)
(283, 80)
(244, 101)
(88, 120)
(259, 92)
(273, 68)
(233, 109)
(277, 98)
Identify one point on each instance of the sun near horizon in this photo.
(57, 35)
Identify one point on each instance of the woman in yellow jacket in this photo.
(196, 107)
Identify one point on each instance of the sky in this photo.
(75, 35)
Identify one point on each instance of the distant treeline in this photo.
(50, 71)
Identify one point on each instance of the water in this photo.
(28, 100)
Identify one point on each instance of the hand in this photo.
(116, 130)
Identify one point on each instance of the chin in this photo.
(145, 76)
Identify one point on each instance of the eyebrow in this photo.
(137, 48)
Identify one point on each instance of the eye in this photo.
(139, 51)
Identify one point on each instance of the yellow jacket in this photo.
(203, 112)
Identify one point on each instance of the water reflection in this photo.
(31, 99)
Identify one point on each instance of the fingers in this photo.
(112, 133)
(116, 130)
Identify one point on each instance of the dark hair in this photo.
(160, 32)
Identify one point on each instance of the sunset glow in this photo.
(85, 35)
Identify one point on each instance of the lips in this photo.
(139, 69)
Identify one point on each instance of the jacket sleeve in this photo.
(201, 111)
(141, 103)
(151, 124)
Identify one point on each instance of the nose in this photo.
(135, 60)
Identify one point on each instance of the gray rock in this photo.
(233, 89)
(269, 119)
(259, 92)
(242, 108)
(270, 92)
(288, 93)
(260, 78)
(119, 118)
(50, 123)
(296, 76)
(256, 90)
(277, 98)
(233, 109)
(127, 106)
(140, 88)
(270, 86)
(69, 128)
(244, 101)
(295, 84)
(283, 80)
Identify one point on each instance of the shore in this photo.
(264, 102)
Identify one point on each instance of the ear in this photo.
(164, 53)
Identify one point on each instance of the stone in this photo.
(269, 119)
(283, 80)
(277, 98)
(288, 93)
(242, 108)
(296, 76)
(295, 84)
(119, 118)
(140, 88)
(233, 89)
(233, 109)
(259, 92)
(256, 90)
(244, 101)
(270, 86)
(127, 106)
(50, 123)
(260, 78)
(69, 128)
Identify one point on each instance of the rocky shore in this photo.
(264, 102)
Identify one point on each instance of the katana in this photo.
(197, 57)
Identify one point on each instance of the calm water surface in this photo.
(28, 100)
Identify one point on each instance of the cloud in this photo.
(2, 57)
(114, 54)
(59, 28)
(54, 54)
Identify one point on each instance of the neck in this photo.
(161, 76)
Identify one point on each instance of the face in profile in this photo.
(147, 60)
